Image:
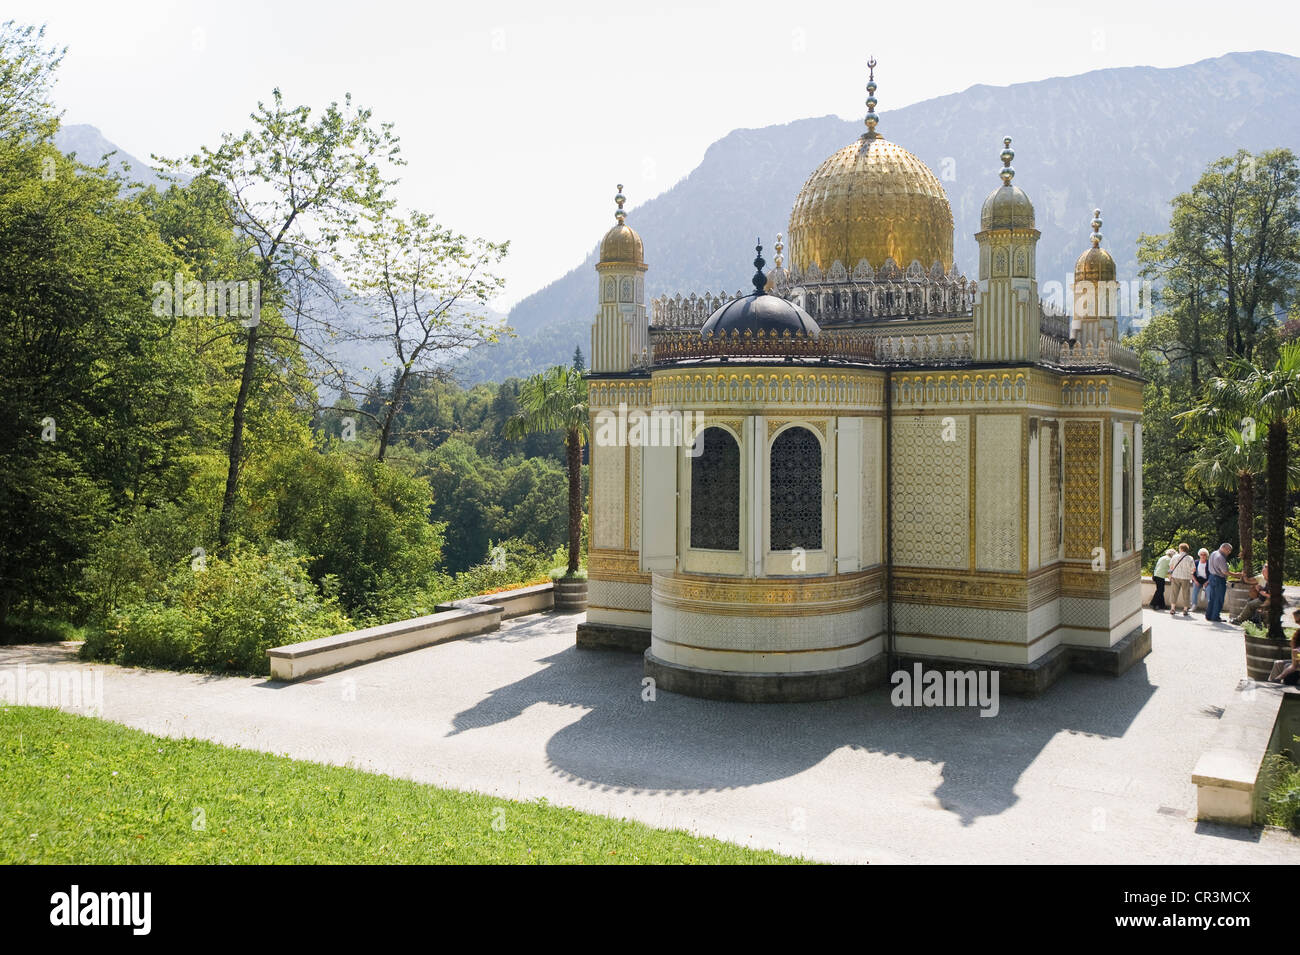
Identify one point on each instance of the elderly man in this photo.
(1258, 597)
(1218, 582)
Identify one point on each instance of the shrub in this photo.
(132, 560)
(361, 521)
(1282, 802)
(222, 618)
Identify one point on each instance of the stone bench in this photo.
(1227, 776)
(459, 618)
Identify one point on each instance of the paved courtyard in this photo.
(1096, 771)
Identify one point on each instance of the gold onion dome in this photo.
(621, 245)
(872, 200)
(1095, 265)
(1007, 206)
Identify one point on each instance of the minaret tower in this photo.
(1007, 312)
(1096, 298)
(621, 333)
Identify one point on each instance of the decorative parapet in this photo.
(674, 346)
(1102, 354)
(843, 299)
(926, 348)
(848, 302)
(845, 344)
(690, 312)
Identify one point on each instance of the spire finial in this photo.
(760, 280)
(620, 215)
(872, 118)
(1008, 154)
(1096, 228)
(779, 246)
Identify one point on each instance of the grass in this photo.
(81, 790)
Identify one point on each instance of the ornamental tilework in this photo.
(931, 486)
(1049, 492)
(634, 499)
(1082, 489)
(608, 496)
(997, 492)
(622, 594)
(872, 518)
(827, 631)
(962, 623)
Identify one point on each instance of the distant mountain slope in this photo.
(1126, 140)
(90, 147)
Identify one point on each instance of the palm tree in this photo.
(1230, 460)
(556, 400)
(1267, 397)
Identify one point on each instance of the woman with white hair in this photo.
(1200, 577)
(1160, 575)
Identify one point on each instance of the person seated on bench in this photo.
(1258, 596)
(1287, 672)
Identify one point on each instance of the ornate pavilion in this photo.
(888, 463)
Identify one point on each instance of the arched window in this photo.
(796, 483)
(715, 492)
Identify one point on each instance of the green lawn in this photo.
(75, 789)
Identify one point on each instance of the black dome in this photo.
(760, 312)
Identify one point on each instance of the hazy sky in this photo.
(518, 119)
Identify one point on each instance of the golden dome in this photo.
(1095, 265)
(1007, 207)
(872, 200)
(621, 245)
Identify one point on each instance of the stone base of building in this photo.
(742, 687)
(609, 636)
(1033, 679)
(1014, 679)
(1116, 660)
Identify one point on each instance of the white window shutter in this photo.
(659, 507)
(848, 493)
(1117, 490)
(1137, 486)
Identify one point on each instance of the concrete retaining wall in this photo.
(513, 603)
(460, 618)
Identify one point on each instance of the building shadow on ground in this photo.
(679, 745)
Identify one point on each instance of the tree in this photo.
(428, 288)
(1230, 460)
(1267, 397)
(26, 74)
(98, 399)
(295, 187)
(1226, 265)
(556, 400)
(1233, 249)
(579, 363)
